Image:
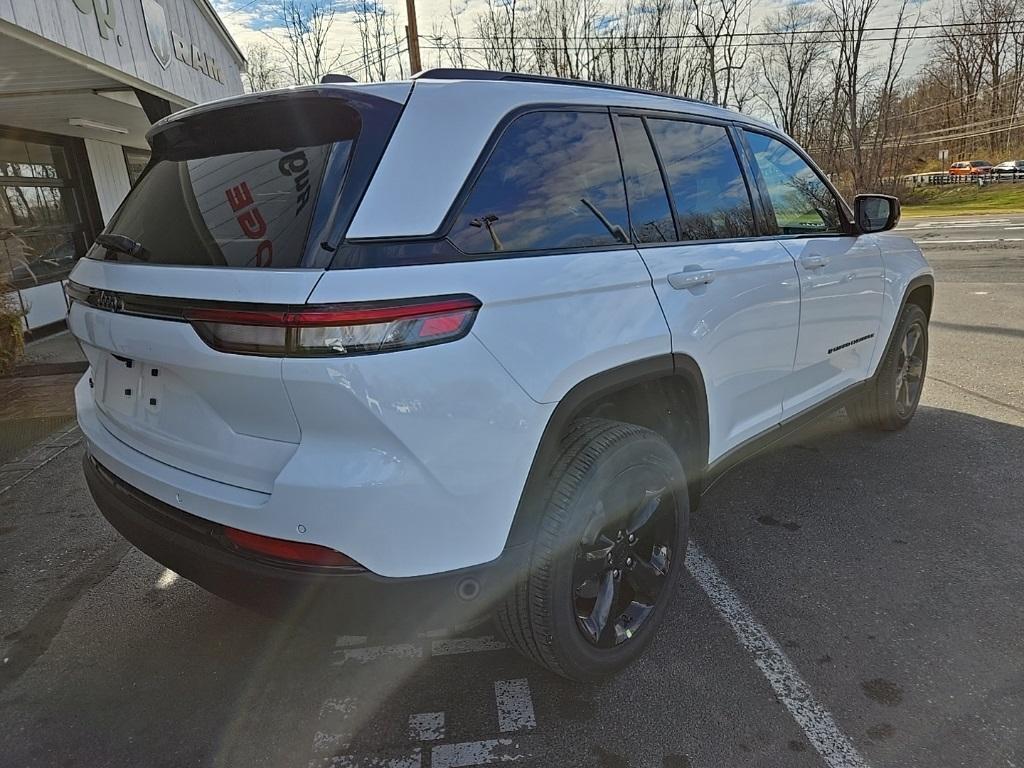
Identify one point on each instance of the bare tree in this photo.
(305, 44)
(719, 25)
(380, 43)
(262, 70)
(791, 60)
(851, 21)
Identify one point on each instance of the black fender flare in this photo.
(917, 282)
(592, 390)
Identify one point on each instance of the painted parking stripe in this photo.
(375, 652)
(413, 759)
(817, 722)
(469, 753)
(349, 641)
(334, 729)
(515, 705)
(466, 645)
(981, 240)
(426, 726)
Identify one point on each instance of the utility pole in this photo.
(413, 35)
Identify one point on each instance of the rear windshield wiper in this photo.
(125, 245)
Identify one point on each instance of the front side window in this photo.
(803, 203)
(552, 181)
(707, 185)
(649, 212)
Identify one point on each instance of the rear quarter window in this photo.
(552, 181)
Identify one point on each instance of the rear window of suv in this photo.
(252, 186)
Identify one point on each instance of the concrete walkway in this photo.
(37, 398)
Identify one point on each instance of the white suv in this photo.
(472, 343)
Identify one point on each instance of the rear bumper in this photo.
(356, 601)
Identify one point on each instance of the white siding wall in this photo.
(126, 48)
(109, 172)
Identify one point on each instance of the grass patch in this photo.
(964, 199)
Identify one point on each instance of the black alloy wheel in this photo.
(607, 553)
(623, 561)
(910, 370)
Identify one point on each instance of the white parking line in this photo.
(349, 641)
(475, 753)
(374, 652)
(426, 726)
(335, 726)
(983, 240)
(817, 723)
(405, 760)
(515, 705)
(466, 645)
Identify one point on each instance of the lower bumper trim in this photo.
(194, 548)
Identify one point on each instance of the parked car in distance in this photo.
(473, 344)
(970, 168)
(1009, 167)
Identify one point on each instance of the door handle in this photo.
(689, 280)
(813, 262)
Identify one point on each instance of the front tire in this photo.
(892, 398)
(607, 553)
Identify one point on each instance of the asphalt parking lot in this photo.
(853, 599)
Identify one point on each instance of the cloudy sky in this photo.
(254, 21)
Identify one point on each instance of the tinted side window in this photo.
(707, 186)
(802, 202)
(552, 181)
(649, 212)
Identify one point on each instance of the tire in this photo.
(892, 398)
(590, 548)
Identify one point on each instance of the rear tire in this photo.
(607, 552)
(891, 399)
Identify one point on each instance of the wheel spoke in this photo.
(904, 395)
(593, 559)
(647, 579)
(916, 368)
(912, 339)
(646, 510)
(597, 623)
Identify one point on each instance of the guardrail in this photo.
(981, 179)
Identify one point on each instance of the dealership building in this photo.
(81, 81)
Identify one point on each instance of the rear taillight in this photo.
(289, 551)
(332, 330)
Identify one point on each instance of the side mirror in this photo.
(876, 213)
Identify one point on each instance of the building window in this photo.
(136, 161)
(41, 223)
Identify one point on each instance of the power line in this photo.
(240, 8)
(603, 43)
(959, 99)
(976, 124)
(779, 33)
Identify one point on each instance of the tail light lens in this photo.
(333, 330)
(289, 551)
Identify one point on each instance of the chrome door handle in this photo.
(695, 279)
(813, 262)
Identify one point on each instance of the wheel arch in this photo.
(919, 291)
(664, 393)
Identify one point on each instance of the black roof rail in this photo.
(455, 73)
